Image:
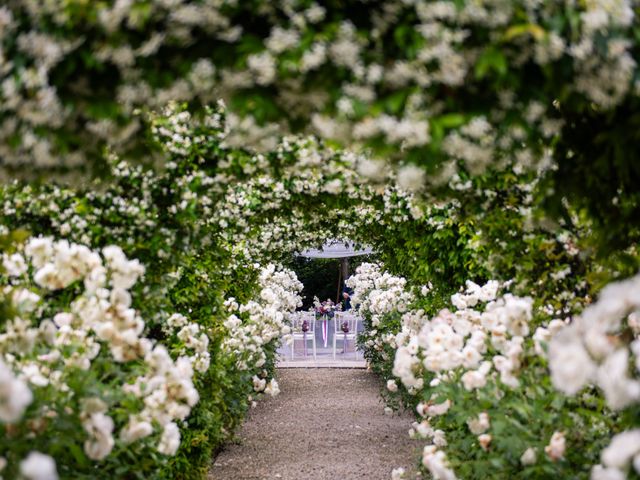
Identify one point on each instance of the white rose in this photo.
(439, 439)
(272, 388)
(411, 178)
(622, 449)
(479, 425)
(557, 446)
(528, 457)
(485, 441)
(14, 264)
(15, 395)
(135, 430)
(570, 364)
(601, 473)
(38, 466)
(170, 440)
(474, 379)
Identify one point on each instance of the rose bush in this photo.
(189, 270)
(78, 369)
(477, 376)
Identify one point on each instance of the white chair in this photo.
(297, 321)
(345, 329)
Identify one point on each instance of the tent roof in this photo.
(336, 249)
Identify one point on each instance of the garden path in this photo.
(325, 424)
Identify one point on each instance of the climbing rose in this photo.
(38, 466)
(15, 396)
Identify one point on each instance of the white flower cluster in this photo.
(260, 385)
(482, 338)
(463, 339)
(406, 132)
(604, 72)
(592, 349)
(395, 93)
(168, 394)
(257, 323)
(99, 427)
(37, 353)
(436, 462)
(37, 466)
(474, 144)
(307, 169)
(193, 339)
(622, 452)
(376, 294)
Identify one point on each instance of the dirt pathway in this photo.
(326, 424)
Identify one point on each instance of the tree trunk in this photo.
(344, 267)
(343, 274)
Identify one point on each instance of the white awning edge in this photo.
(335, 249)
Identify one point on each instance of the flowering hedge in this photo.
(82, 384)
(78, 366)
(218, 316)
(477, 375)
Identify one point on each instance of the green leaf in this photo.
(78, 454)
(536, 31)
(451, 120)
(492, 60)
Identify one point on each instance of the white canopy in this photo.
(336, 249)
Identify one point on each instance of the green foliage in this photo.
(158, 218)
(545, 81)
(319, 277)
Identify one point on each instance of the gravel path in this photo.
(325, 424)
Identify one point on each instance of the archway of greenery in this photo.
(207, 228)
(482, 366)
(458, 89)
(201, 327)
(509, 127)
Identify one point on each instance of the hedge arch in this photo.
(447, 90)
(207, 226)
(206, 231)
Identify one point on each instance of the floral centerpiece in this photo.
(327, 307)
(325, 310)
